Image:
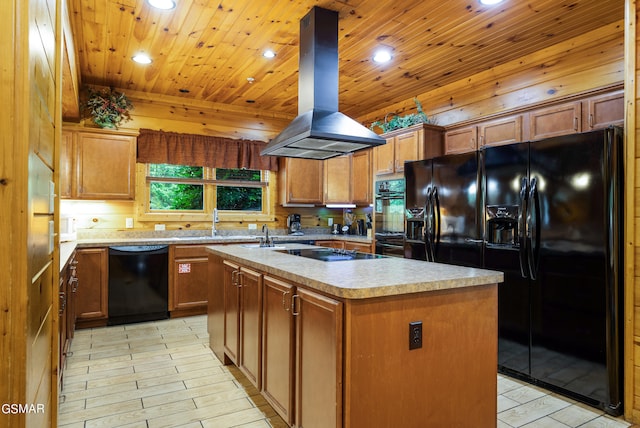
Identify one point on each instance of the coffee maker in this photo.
(293, 223)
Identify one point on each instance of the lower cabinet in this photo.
(243, 319)
(362, 247)
(318, 360)
(286, 340)
(93, 283)
(187, 280)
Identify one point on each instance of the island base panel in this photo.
(451, 378)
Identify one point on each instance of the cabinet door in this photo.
(93, 282)
(406, 149)
(604, 110)
(361, 179)
(66, 164)
(278, 351)
(303, 181)
(498, 132)
(361, 247)
(250, 324)
(337, 180)
(105, 166)
(331, 244)
(318, 360)
(384, 157)
(557, 120)
(231, 311)
(189, 285)
(461, 140)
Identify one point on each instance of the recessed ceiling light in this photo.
(490, 2)
(382, 56)
(142, 58)
(268, 53)
(162, 4)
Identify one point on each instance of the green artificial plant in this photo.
(399, 122)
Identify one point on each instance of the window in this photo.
(191, 190)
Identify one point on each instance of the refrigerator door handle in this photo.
(436, 215)
(428, 220)
(533, 228)
(522, 247)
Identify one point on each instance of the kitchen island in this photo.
(375, 342)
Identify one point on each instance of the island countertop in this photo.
(358, 279)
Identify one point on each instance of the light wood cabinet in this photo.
(243, 319)
(461, 140)
(557, 120)
(97, 165)
(603, 110)
(361, 247)
(300, 181)
(338, 244)
(93, 282)
(409, 144)
(337, 180)
(278, 347)
(501, 131)
(318, 360)
(188, 270)
(231, 312)
(361, 177)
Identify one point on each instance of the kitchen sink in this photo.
(264, 248)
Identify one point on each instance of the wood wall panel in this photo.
(589, 61)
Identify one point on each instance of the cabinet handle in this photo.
(74, 284)
(575, 124)
(293, 305)
(284, 303)
(63, 302)
(590, 120)
(239, 279)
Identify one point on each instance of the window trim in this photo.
(142, 189)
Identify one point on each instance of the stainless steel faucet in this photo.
(214, 220)
(267, 242)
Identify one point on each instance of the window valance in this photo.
(202, 150)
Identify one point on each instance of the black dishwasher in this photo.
(138, 283)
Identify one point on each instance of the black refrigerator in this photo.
(553, 225)
(443, 210)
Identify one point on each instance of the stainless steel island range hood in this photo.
(320, 131)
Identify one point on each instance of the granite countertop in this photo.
(221, 239)
(358, 279)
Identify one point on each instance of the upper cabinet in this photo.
(337, 180)
(361, 178)
(97, 165)
(562, 119)
(408, 144)
(340, 180)
(461, 140)
(603, 110)
(301, 181)
(594, 112)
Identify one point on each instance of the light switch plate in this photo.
(159, 227)
(129, 223)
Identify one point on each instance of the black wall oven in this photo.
(389, 217)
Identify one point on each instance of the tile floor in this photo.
(163, 374)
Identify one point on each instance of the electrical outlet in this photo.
(159, 227)
(253, 226)
(415, 335)
(129, 223)
(330, 221)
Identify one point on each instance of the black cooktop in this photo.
(331, 254)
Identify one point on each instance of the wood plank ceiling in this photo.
(208, 51)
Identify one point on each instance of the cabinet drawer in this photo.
(181, 251)
(361, 247)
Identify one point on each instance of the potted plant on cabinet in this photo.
(108, 107)
(398, 122)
